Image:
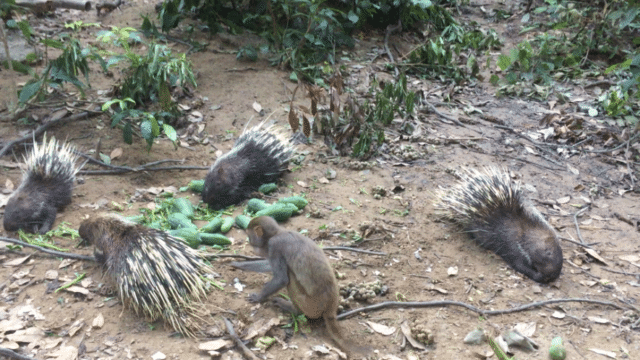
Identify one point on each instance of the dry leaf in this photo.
(381, 329)
(98, 322)
(526, 329)
(158, 356)
(215, 345)
(595, 255)
(598, 320)
(260, 328)
(452, 271)
(77, 290)
(558, 315)
(630, 258)
(257, 107)
(406, 331)
(77, 325)
(116, 153)
(51, 275)
(65, 353)
(610, 354)
(16, 261)
(563, 200)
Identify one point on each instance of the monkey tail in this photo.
(336, 335)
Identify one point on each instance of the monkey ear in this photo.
(258, 231)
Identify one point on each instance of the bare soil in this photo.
(420, 247)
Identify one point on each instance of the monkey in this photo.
(299, 264)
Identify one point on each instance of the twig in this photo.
(450, 118)
(620, 272)
(122, 171)
(624, 219)
(633, 183)
(48, 251)
(41, 129)
(391, 29)
(575, 242)
(245, 350)
(617, 147)
(14, 355)
(116, 170)
(575, 221)
(421, 304)
(346, 248)
(535, 143)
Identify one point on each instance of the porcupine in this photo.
(496, 213)
(156, 274)
(46, 187)
(257, 157)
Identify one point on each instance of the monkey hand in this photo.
(255, 298)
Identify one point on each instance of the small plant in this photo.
(66, 68)
(148, 122)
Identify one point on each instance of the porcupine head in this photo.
(46, 187)
(535, 245)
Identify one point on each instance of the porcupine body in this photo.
(155, 273)
(47, 182)
(496, 213)
(258, 157)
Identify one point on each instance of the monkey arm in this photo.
(261, 266)
(280, 279)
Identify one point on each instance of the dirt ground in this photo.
(421, 249)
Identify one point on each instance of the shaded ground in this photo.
(420, 247)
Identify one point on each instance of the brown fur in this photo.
(300, 265)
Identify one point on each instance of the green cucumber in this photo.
(214, 239)
(189, 235)
(255, 205)
(196, 185)
(280, 212)
(227, 223)
(183, 206)
(179, 220)
(268, 188)
(242, 221)
(213, 225)
(298, 201)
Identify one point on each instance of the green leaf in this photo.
(503, 62)
(170, 132)
(146, 130)
(353, 17)
(29, 90)
(105, 159)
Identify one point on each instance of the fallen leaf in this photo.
(98, 322)
(65, 353)
(16, 261)
(381, 329)
(406, 331)
(215, 345)
(610, 354)
(595, 255)
(257, 107)
(452, 271)
(158, 356)
(116, 153)
(260, 327)
(598, 320)
(564, 200)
